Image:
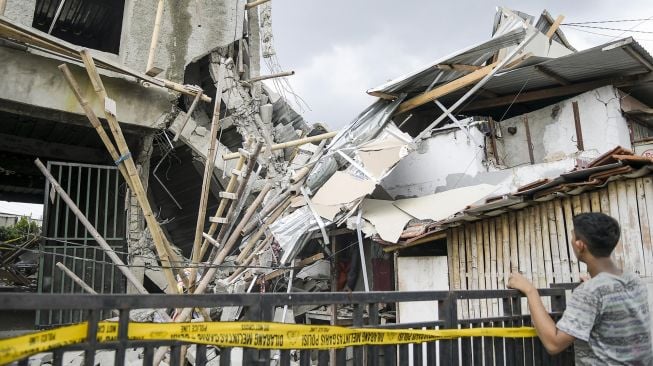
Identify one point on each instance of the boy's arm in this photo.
(553, 339)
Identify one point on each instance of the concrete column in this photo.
(21, 11)
(137, 240)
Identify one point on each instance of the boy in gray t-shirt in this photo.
(607, 317)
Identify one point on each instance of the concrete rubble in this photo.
(288, 207)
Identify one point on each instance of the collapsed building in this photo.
(461, 172)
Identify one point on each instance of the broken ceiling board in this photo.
(342, 188)
(297, 201)
(440, 206)
(379, 162)
(388, 220)
(328, 212)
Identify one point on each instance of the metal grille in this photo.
(99, 193)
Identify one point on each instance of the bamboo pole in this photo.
(265, 211)
(284, 145)
(155, 39)
(246, 217)
(80, 282)
(137, 185)
(255, 3)
(271, 76)
(76, 279)
(182, 89)
(91, 229)
(234, 210)
(256, 236)
(208, 174)
(223, 204)
(188, 114)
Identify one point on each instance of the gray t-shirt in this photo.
(609, 317)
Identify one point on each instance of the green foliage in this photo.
(21, 229)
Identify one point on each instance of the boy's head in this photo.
(596, 232)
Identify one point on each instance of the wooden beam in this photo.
(52, 150)
(150, 69)
(382, 95)
(444, 89)
(278, 272)
(579, 128)
(638, 57)
(552, 75)
(458, 67)
(553, 92)
(554, 27)
(284, 145)
(271, 76)
(255, 3)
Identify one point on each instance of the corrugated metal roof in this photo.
(418, 81)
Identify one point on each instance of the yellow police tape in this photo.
(261, 335)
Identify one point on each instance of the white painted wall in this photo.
(421, 274)
(553, 130)
(434, 163)
(449, 159)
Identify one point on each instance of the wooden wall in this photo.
(535, 240)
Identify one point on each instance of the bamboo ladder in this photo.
(123, 159)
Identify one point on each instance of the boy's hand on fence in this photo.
(521, 283)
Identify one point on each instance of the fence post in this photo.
(91, 337)
(448, 312)
(558, 305)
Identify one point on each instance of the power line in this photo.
(613, 29)
(606, 21)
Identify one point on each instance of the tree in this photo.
(22, 228)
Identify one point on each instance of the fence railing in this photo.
(261, 307)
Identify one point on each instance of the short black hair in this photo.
(599, 231)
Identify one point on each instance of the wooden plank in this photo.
(150, 69)
(454, 267)
(523, 246)
(618, 254)
(464, 274)
(546, 245)
(474, 265)
(451, 257)
(554, 27)
(501, 260)
(577, 208)
(505, 244)
(539, 247)
(633, 247)
(569, 227)
(647, 189)
(605, 201)
(563, 245)
(480, 251)
(585, 207)
(514, 240)
(493, 264)
(645, 228)
(553, 243)
(595, 201)
(445, 89)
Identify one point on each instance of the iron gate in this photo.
(261, 307)
(99, 193)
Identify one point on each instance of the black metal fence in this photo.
(261, 307)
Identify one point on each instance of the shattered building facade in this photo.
(461, 172)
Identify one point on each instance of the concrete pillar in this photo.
(21, 11)
(137, 240)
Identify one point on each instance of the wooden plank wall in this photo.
(536, 241)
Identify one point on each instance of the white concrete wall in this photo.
(553, 131)
(438, 162)
(449, 160)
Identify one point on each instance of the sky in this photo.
(340, 48)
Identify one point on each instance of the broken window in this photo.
(94, 24)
